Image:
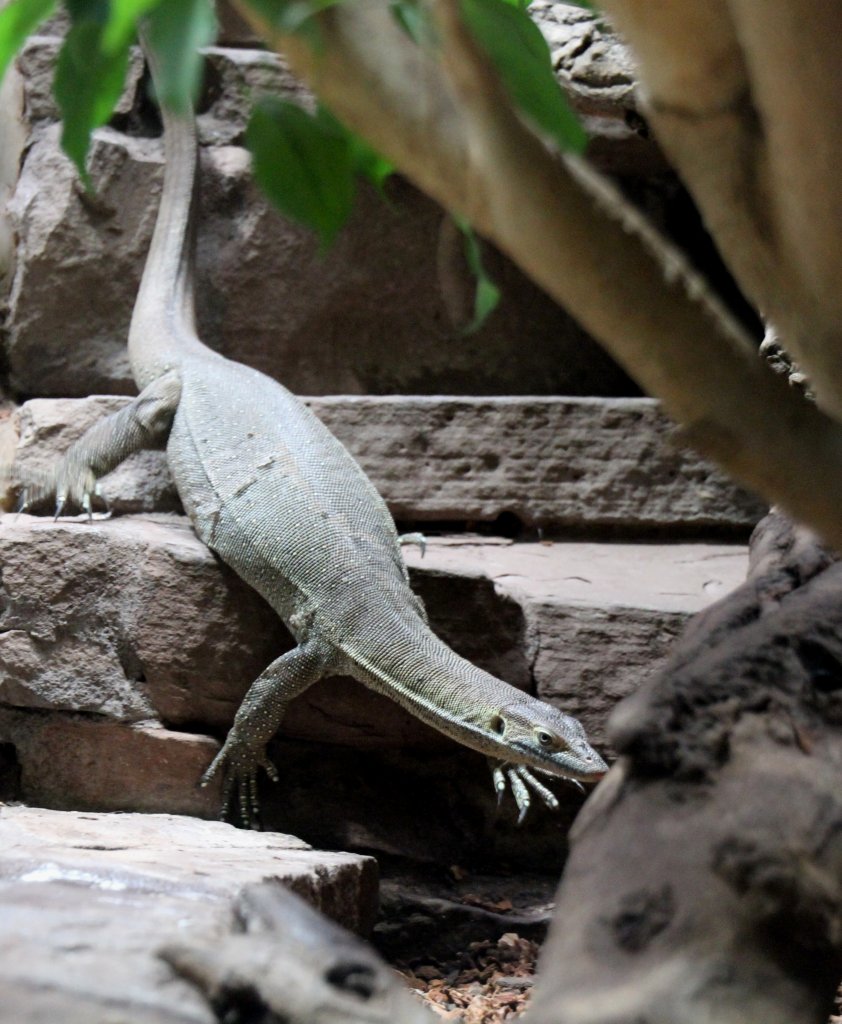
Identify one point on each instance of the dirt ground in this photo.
(489, 983)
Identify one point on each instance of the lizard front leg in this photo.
(257, 721)
(143, 423)
(521, 779)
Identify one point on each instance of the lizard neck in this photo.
(163, 326)
(412, 666)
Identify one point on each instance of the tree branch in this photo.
(746, 99)
(459, 139)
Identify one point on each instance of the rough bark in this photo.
(727, 906)
(759, 86)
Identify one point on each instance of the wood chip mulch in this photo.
(491, 982)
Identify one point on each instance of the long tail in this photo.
(163, 322)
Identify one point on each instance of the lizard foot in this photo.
(70, 483)
(520, 778)
(414, 538)
(240, 764)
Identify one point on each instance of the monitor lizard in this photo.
(280, 500)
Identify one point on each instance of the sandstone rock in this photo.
(90, 898)
(77, 762)
(134, 619)
(234, 80)
(555, 463)
(596, 71)
(349, 320)
(568, 464)
(599, 618)
(36, 64)
(133, 622)
(13, 134)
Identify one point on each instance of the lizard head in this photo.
(542, 737)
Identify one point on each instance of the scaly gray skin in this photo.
(279, 499)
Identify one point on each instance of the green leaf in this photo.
(17, 21)
(303, 164)
(87, 83)
(413, 19)
(520, 54)
(123, 16)
(176, 29)
(487, 295)
(364, 160)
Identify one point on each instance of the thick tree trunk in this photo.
(726, 906)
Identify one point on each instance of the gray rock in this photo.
(85, 762)
(36, 64)
(395, 275)
(266, 295)
(134, 619)
(597, 73)
(88, 900)
(580, 464)
(125, 648)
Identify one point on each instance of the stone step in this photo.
(125, 646)
(89, 899)
(560, 464)
(600, 616)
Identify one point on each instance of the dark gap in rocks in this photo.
(10, 773)
(822, 665)
(670, 207)
(212, 88)
(509, 526)
(144, 119)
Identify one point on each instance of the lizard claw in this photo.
(24, 502)
(414, 538)
(240, 764)
(521, 780)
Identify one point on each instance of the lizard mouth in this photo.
(579, 771)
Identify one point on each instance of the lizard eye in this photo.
(544, 738)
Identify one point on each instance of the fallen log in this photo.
(705, 877)
(291, 965)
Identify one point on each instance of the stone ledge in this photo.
(558, 464)
(133, 622)
(88, 899)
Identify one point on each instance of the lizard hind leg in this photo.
(144, 423)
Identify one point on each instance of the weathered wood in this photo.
(292, 965)
(705, 877)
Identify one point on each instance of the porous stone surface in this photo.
(88, 900)
(596, 71)
(384, 310)
(557, 464)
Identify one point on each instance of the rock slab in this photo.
(557, 464)
(88, 899)
(126, 647)
(383, 310)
